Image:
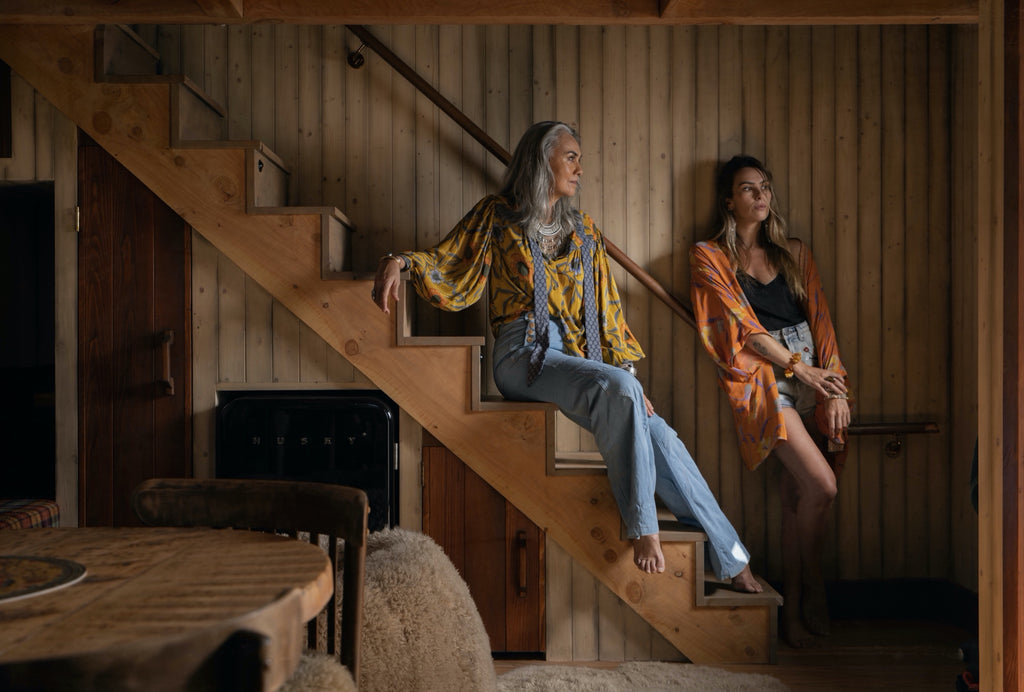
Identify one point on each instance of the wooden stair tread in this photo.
(442, 341)
(255, 144)
(499, 403)
(671, 530)
(334, 212)
(720, 593)
(589, 463)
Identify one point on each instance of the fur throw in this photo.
(319, 673)
(422, 631)
(421, 628)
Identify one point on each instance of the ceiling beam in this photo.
(227, 9)
(605, 12)
(106, 11)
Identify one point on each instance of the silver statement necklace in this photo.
(550, 237)
(549, 229)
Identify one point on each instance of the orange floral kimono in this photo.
(726, 320)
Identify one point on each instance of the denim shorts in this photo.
(792, 392)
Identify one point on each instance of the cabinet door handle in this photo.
(166, 338)
(521, 566)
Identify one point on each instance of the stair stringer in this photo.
(206, 187)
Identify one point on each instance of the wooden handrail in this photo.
(461, 119)
(680, 309)
(651, 283)
(892, 428)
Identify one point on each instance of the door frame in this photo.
(1000, 330)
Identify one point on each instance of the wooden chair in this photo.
(287, 507)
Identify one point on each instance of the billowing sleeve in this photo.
(453, 274)
(618, 344)
(725, 319)
(818, 316)
(824, 333)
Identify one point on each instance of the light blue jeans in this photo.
(643, 453)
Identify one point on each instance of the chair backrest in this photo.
(290, 507)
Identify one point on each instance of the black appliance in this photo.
(348, 437)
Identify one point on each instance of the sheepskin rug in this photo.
(421, 629)
(319, 673)
(636, 675)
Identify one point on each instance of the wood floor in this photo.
(909, 656)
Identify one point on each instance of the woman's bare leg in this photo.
(808, 490)
(793, 631)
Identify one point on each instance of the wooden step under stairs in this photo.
(162, 130)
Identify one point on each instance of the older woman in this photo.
(529, 246)
(763, 319)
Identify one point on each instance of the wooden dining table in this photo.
(155, 608)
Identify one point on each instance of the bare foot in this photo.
(794, 634)
(744, 581)
(814, 610)
(647, 555)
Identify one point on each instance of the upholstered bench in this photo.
(28, 514)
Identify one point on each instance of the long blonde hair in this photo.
(772, 234)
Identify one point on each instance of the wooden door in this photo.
(133, 337)
(494, 546)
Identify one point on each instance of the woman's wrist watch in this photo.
(629, 367)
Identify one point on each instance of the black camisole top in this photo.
(773, 302)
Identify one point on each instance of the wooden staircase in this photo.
(170, 136)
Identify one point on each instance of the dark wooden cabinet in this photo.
(495, 547)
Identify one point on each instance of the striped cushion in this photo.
(28, 514)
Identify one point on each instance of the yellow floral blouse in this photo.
(488, 244)
(726, 320)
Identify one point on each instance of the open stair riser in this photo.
(208, 188)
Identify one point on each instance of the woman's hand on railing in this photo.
(837, 415)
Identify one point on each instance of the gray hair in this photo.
(529, 179)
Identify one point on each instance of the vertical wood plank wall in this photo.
(870, 133)
(866, 129)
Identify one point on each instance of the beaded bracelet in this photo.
(794, 358)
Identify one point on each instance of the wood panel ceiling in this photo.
(494, 12)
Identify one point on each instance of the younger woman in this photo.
(763, 319)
